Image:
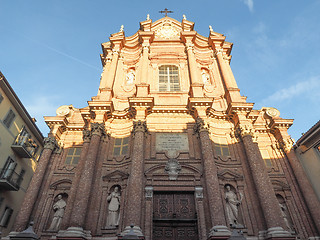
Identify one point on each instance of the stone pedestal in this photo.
(74, 233)
(26, 234)
(219, 232)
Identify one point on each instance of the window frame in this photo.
(73, 156)
(5, 219)
(9, 124)
(168, 80)
(121, 146)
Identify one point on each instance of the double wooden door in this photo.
(174, 216)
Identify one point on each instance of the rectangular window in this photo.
(8, 169)
(8, 120)
(121, 146)
(5, 218)
(266, 158)
(169, 78)
(221, 149)
(1, 97)
(73, 156)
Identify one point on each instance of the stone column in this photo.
(135, 182)
(31, 195)
(218, 220)
(149, 213)
(308, 193)
(76, 179)
(269, 203)
(79, 210)
(201, 214)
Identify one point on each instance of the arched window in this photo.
(169, 78)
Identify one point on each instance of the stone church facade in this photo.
(169, 147)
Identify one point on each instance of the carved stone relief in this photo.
(173, 168)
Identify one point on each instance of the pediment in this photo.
(280, 185)
(185, 170)
(115, 176)
(166, 28)
(62, 184)
(229, 175)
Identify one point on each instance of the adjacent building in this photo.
(21, 143)
(307, 149)
(170, 149)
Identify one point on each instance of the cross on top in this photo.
(166, 12)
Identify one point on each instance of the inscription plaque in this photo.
(172, 143)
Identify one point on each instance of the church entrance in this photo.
(174, 216)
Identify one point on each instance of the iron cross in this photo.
(166, 11)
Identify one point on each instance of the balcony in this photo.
(24, 145)
(10, 180)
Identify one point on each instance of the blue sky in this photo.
(49, 50)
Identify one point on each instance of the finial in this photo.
(210, 27)
(121, 28)
(148, 17)
(184, 17)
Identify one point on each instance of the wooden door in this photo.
(174, 216)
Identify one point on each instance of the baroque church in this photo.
(168, 149)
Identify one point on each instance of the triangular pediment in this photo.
(230, 175)
(115, 176)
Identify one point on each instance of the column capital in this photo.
(98, 129)
(246, 130)
(200, 126)
(199, 192)
(86, 135)
(139, 126)
(50, 143)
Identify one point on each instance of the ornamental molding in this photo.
(86, 135)
(50, 143)
(198, 192)
(167, 31)
(200, 126)
(98, 129)
(172, 168)
(286, 144)
(139, 126)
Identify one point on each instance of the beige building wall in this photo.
(11, 191)
(308, 152)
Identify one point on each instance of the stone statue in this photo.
(113, 208)
(284, 215)
(59, 208)
(130, 77)
(232, 204)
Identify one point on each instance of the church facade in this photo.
(169, 149)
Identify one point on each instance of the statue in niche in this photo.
(205, 77)
(173, 168)
(284, 215)
(113, 208)
(232, 207)
(130, 77)
(58, 208)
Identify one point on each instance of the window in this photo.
(8, 120)
(1, 97)
(5, 218)
(266, 158)
(8, 169)
(221, 149)
(169, 78)
(121, 146)
(73, 156)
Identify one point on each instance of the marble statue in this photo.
(130, 77)
(113, 208)
(232, 204)
(284, 215)
(58, 208)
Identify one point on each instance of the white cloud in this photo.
(310, 88)
(249, 3)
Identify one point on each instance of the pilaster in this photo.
(279, 128)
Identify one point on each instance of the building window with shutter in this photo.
(73, 156)
(169, 78)
(120, 146)
(5, 218)
(8, 120)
